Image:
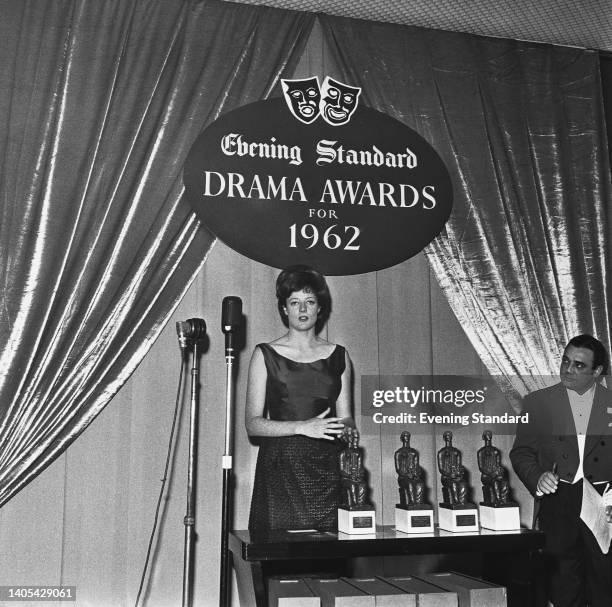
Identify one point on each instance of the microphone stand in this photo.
(227, 464)
(189, 520)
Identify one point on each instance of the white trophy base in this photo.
(414, 520)
(357, 522)
(458, 519)
(503, 518)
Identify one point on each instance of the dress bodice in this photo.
(298, 391)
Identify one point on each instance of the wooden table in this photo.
(257, 558)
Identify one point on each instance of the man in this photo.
(567, 440)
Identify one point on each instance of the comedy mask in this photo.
(339, 101)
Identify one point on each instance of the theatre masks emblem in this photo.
(303, 98)
(339, 101)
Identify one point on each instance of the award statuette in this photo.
(355, 516)
(412, 515)
(496, 510)
(455, 512)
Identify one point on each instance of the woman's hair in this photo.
(298, 277)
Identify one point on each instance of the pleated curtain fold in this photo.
(524, 259)
(101, 102)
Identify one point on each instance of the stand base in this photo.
(357, 521)
(415, 519)
(500, 518)
(458, 518)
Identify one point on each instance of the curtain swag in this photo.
(523, 260)
(102, 102)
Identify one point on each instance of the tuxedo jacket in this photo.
(550, 437)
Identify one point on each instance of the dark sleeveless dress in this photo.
(297, 478)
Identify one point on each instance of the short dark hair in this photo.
(298, 277)
(600, 354)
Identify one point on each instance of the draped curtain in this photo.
(100, 103)
(523, 259)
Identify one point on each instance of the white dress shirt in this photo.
(581, 405)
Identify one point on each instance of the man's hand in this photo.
(547, 483)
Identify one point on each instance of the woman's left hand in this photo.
(321, 426)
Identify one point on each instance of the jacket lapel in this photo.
(563, 418)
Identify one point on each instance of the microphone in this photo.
(190, 330)
(231, 320)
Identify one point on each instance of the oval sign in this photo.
(347, 199)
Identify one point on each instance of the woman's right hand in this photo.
(321, 426)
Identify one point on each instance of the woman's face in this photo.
(302, 310)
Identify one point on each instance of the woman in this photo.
(298, 402)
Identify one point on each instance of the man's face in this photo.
(577, 371)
